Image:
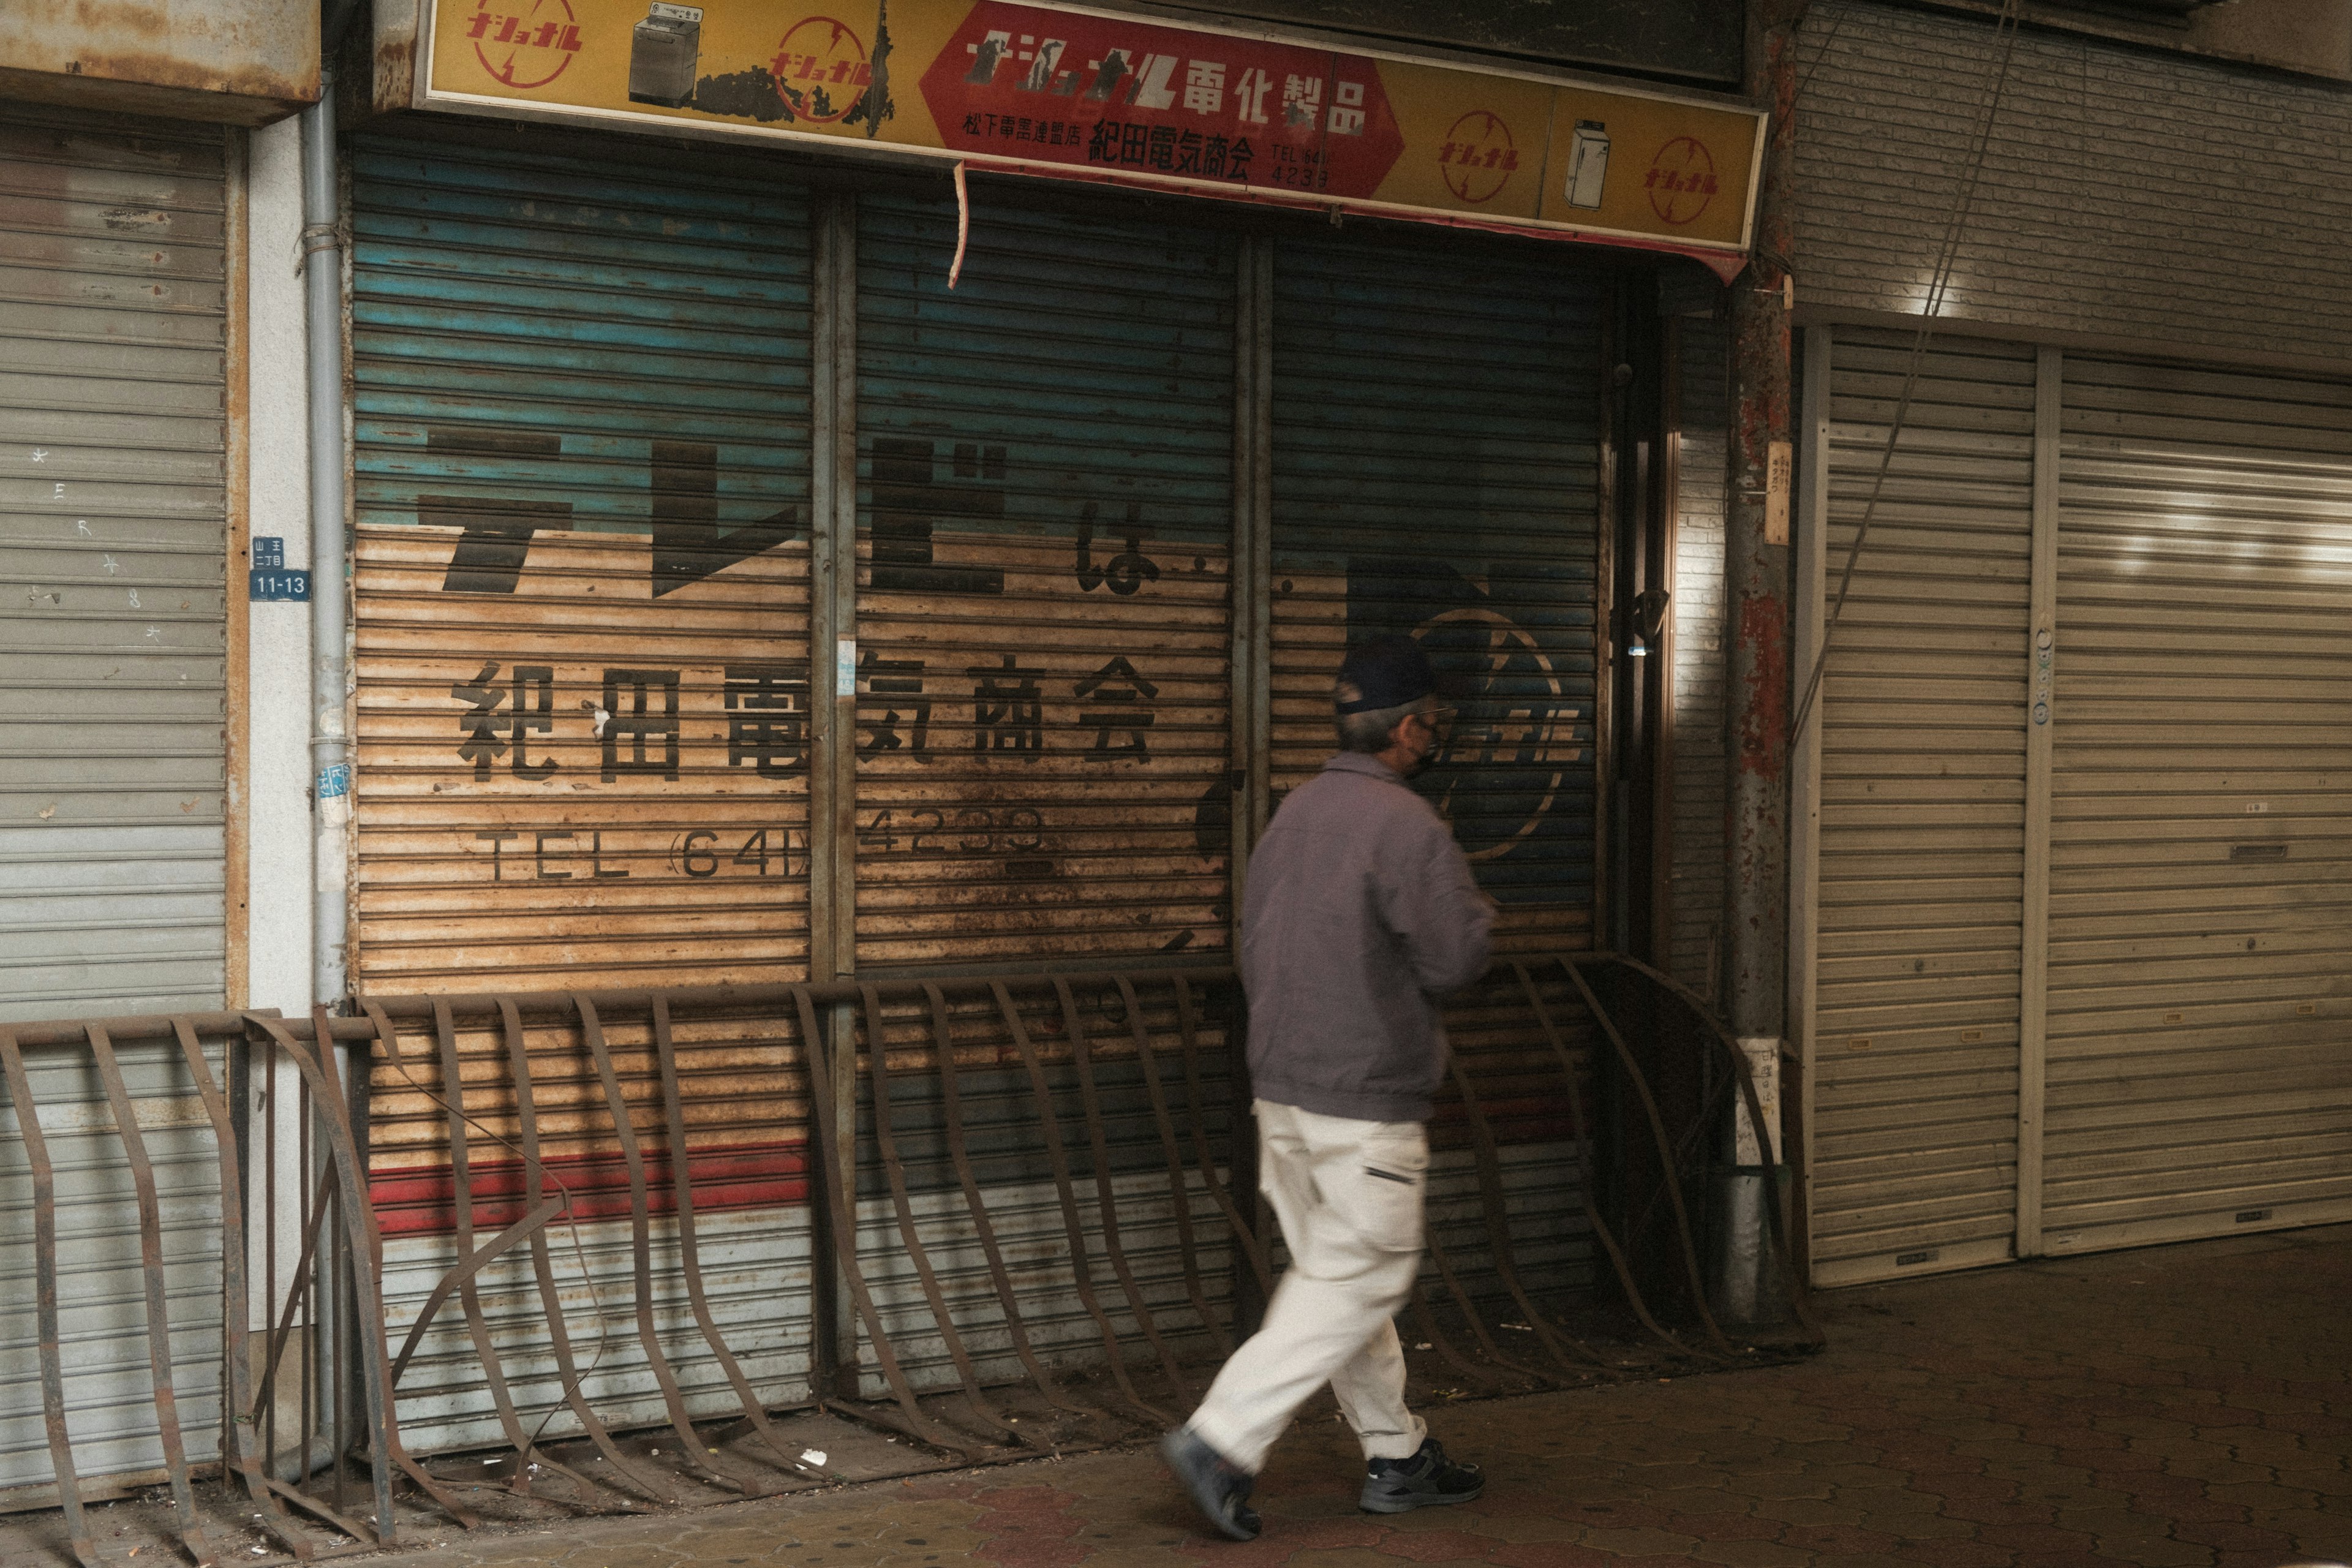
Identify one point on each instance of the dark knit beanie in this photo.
(1386, 672)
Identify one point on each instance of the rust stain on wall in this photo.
(238, 60)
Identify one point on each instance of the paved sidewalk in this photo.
(2168, 1408)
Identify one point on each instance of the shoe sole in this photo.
(1407, 1503)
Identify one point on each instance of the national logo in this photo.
(524, 43)
(820, 67)
(1478, 156)
(1681, 181)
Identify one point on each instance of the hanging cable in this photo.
(1938, 285)
(963, 224)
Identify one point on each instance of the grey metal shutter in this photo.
(582, 443)
(112, 549)
(1920, 878)
(101, 1277)
(2200, 1079)
(1045, 536)
(1436, 462)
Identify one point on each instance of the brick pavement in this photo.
(2173, 1408)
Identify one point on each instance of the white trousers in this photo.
(1349, 1195)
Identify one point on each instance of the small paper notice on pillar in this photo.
(1764, 1071)
(1779, 475)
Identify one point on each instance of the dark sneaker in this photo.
(1429, 1478)
(1220, 1487)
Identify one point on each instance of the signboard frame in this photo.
(1727, 255)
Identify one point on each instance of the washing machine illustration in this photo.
(664, 53)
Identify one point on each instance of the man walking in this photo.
(1361, 914)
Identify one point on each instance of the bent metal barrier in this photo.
(939, 1037)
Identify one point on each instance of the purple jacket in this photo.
(1361, 916)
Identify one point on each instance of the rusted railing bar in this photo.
(469, 1299)
(1664, 1146)
(1106, 1196)
(461, 1183)
(385, 1449)
(637, 1000)
(951, 1106)
(1426, 1321)
(237, 1430)
(274, 1349)
(1195, 1106)
(159, 1322)
(886, 1145)
(1469, 1311)
(45, 1296)
(469, 1265)
(689, 1251)
(1730, 1045)
(1496, 1202)
(295, 1497)
(1179, 1193)
(1587, 1165)
(843, 1206)
(542, 1264)
(1057, 1157)
(641, 1255)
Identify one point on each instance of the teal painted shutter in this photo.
(1436, 452)
(1045, 525)
(1436, 473)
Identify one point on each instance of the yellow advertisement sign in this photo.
(1089, 95)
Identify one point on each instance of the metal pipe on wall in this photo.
(322, 310)
(1757, 571)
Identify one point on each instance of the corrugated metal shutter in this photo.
(1922, 834)
(1437, 458)
(1699, 766)
(2199, 1077)
(112, 382)
(581, 434)
(1044, 540)
(101, 1278)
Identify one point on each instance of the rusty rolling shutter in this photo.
(1436, 461)
(2199, 1075)
(581, 434)
(112, 540)
(1044, 526)
(1922, 838)
(582, 445)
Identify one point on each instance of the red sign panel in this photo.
(1114, 96)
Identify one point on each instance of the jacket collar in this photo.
(1358, 762)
